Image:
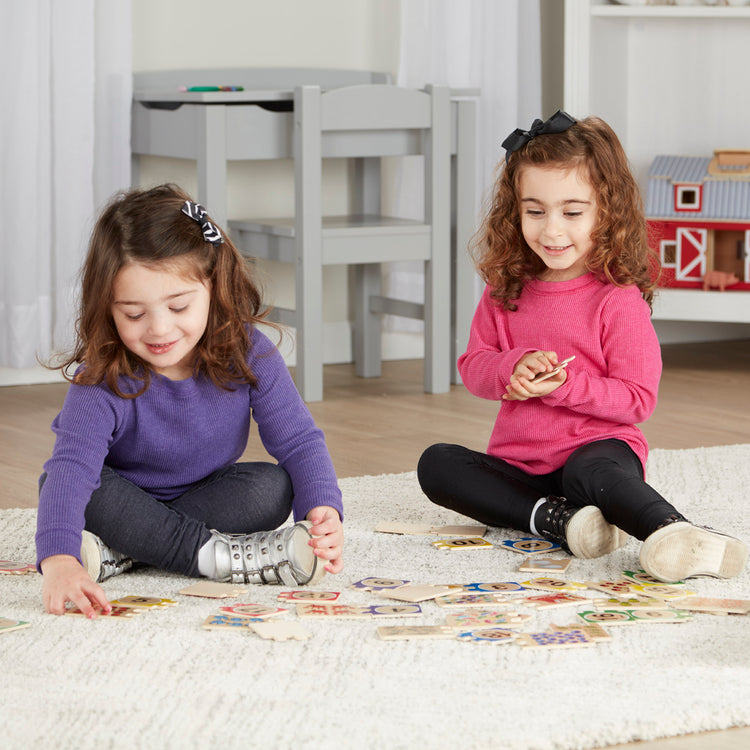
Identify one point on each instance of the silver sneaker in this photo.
(282, 556)
(100, 561)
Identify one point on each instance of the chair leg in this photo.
(367, 325)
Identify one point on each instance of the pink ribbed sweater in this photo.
(611, 385)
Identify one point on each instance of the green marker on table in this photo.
(210, 88)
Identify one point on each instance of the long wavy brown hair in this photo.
(620, 251)
(148, 227)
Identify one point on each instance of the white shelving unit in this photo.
(670, 79)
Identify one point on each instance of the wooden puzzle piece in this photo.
(487, 635)
(545, 565)
(620, 589)
(276, 630)
(377, 584)
(214, 590)
(475, 542)
(626, 604)
(394, 610)
(643, 578)
(554, 600)
(260, 611)
(228, 622)
(413, 592)
(504, 586)
(554, 639)
(660, 615)
(664, 591)
(608, 617)
(329, 609)
(554, 584)
(593, 630)
(16, 568)
(530, 545)
(308, 596)
(421, 529)
(715, 606)
(415, 632)
(544, 375)
(485, 619)
(472, 600)
(143, 603)
(116, 612)
(7, 624)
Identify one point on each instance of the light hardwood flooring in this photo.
(382, 425)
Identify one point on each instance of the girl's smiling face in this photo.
(160, 315)
(558, 215)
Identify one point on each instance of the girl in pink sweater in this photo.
(569, 274)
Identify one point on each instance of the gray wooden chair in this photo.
(366, 122)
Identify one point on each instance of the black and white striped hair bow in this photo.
(196, 212)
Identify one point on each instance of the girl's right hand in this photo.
(65, 580)
(522, 386)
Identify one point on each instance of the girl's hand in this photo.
(522, 386)
(65, 580)
(328, 537)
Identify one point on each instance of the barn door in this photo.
(691, 254)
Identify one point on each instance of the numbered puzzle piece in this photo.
(593, 630)
(394, 610)
(7, 624)
(308, 596)
(16, 568)
(460, 544)
(329, 609)
(642, 577)
(554, 600)
(626, 604)
(660, 615)
(608, 617)
(415, 632)
(122, 613)
(554, 584)
(228, 622)
(622, 589)
(143, 603)
(663, 591)
(530, 545)
(501, 586)
(259, 611)
(378, 584)
(545, 564)
(487, 635)
(471, 600)
(485, 619)
(276, 630)
(555, 639)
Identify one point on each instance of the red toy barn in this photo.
(698, 214)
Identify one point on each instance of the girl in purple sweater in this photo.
(145, 464)
(569, 274)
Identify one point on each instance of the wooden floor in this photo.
(382, 425)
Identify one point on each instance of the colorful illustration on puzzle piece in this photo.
(329, 609)
(260, 611)
(393, 610)
(530, 545)
(485, 619)
(116, 612)
(378, 584)
(460, 544)
(16, 568)
(471, 600)
(593, 630)
(608, 617)
(663, 591)
(555, 639)
(642, 577)
(504, 586)
(308, 596)
(554, 584)
(660, 615)
(627, 604)
(415, 632)
(620, 589)
(143, 602)
(487, 635)
(228, 622)
(555, 600)
(545, 564)
(6, 624)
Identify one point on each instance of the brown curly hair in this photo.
(147, 226)
(620, 251)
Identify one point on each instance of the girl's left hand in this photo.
(328, 537)
(522, 386)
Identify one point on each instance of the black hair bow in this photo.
(196, 212)
(558, 123)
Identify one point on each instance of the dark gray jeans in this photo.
(239, 499)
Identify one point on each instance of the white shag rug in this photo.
(160, 681)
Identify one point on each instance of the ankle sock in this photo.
(532, 521)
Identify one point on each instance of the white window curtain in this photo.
(65, 148)
(493, 45)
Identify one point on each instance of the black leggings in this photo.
(606, 473)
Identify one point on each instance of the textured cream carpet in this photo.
(160, 681)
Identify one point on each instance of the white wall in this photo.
(351, 34)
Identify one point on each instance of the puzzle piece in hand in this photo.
(621, 589)
(228, 622)
(530, 545)
(422, 529)
(394, 610)
(554, 584)
(487, 635)
(505, 586)
(143, 603)
(555, 639)
(662, 591)
(474, 542)
(471, 600)
(117, 612)
(545, 565)
(308, 596)
(16, 568)
(485, 619)
(214, 590)
(276, 630)
(554, 600)
(414, 593)
(376, 584)
(593, 630)
(6, 625)
(329, 609)
(260, 611)
(415, 632)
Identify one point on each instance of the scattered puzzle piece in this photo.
(506, 586)
(116, 612)
(545, 564)
(308, 596)
(143, 603)
(530, 545)
(214, 590)
(329, 609)
(7, 624)
(660, 615)
(633, 603)
(415, 632)
(471, 600)
(467, 543)
(260, 611)
(485, 619)
(422, 529)
(228, 622)
(414, 593)
(487, 635)
(554, 584)
(394, 610)
(554, 600)
(376, 584)
(662, 591)
(16, 568)
(555, 639)
(715, 606)
(593, 630)
(620, 589)
(608, 617)
(642, 577)
(276, 630)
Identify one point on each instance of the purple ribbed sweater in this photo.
(175, 434)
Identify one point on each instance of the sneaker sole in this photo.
(681, 550)
(303, 551)
(589, 535)
(90, 556)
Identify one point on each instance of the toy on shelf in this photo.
(698, 214)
